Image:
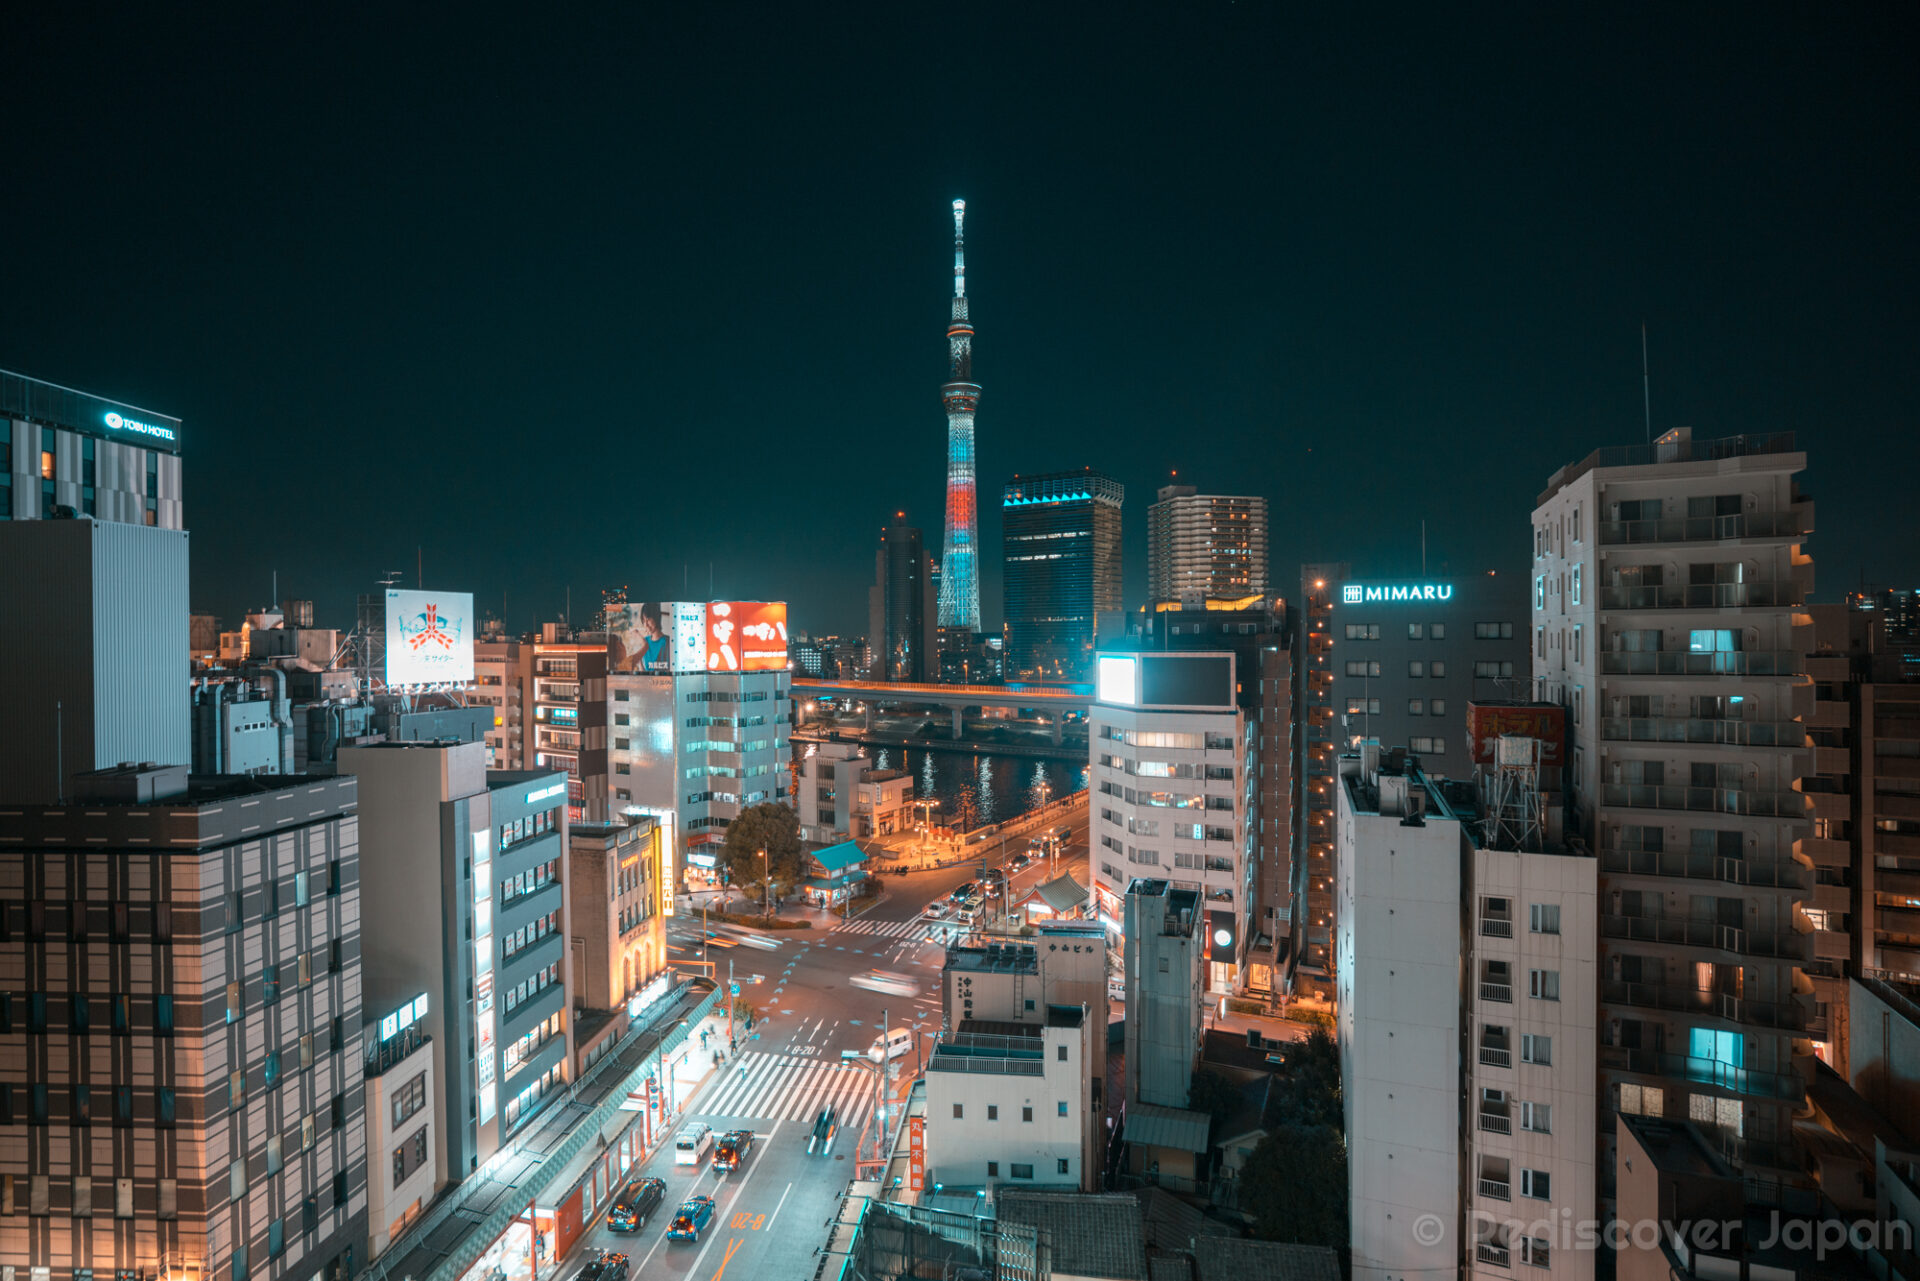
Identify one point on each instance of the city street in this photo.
(773, 1211)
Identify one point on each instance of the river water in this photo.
(982, 788)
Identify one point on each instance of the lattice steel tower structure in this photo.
(959, 559)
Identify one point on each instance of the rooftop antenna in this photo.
(1423, 549)
(1646, 384)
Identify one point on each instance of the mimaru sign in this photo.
(1386, 593)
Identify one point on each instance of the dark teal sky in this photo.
(579, 301)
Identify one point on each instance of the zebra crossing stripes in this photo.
(786, 1087)
(881, 929)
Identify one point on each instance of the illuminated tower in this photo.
(959, 563)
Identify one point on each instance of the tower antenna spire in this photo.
(959, 567)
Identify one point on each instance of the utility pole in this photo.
(730, 1003)
(885, 1076)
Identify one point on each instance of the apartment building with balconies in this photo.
(503, 680)
(1668, 617)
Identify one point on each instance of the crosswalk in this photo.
(882, 929)
(787, 1087)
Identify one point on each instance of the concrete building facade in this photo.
(503, 681)
(465, 880)
(1061, 551)
(1668, 619)
(842, 795)
(1205, 545)
(1164, 944)
(903, 607)
(182, 1029)
(67, 449)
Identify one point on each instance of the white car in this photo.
(888, 981)
(937, 910)
(891, 1046)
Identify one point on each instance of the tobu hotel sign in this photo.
(1393, 593)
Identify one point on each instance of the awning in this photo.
(1158, 1127)
(838, 858)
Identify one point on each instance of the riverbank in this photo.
(1075, 752)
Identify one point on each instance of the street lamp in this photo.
(766, 893)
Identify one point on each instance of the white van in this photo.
(892, 1045)
(693, 1144)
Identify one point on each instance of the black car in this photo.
(636, 1204)
(1020, 859)
(605, 1265)
(732, 1149)
(961, 893)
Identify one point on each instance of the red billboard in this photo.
(747, 636)
(1488, 722)
(917, 1149)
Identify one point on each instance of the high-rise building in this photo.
(67, 451)
(1865, 848)
(959, 557)
(463, 896)
(1669, 588)
(1061, 547)
(1398, 661)
(901, 606)
(1205, 546)
(1170, 789)
(1466, 976)
(185, 1091)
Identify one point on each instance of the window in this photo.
(1534, 1183)
(1533, 1252)
(164, 1107)
(1543, 985)
(1544, 918)
(1487, 670)
(1436, 707)
(123, 1105)
(1020, 1171)
(339, 1111)
(1579, 644)
(1426, 745)
(1536, 1049)
(1061, 1107)
(121, 1006)
(1576, 584)
(1363, 631)
(82, 1196)
(237, 1180)
(1416, 631)
(1537, 1117)
(273, 1154)
(1539, 591)
(37, 1104)
(236, 912)
(993, 1169)
(993, 1112)
(233, 1002)
(236, 1088)
(1493, 631)
(1063, 1053)
(1438, 631)
(79, 1013)
(1415, 667)
(83, 1105)
(1416, 707)
(1026, 1113)
(270, 984)
(299, 889)
(271, 1075)
(958, 1109)
(168, 1204)
(1437, 670)
(1063, 1165)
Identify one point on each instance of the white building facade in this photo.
(1013, 1104)
(1205, 545)
(1171, 794)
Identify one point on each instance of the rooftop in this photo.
(1221, 1258)
(994, 958)
(1677, 446)
(1180, 1129)
(1092, 1234)
(214, 809)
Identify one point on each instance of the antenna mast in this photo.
(1646, 385)
(959, 571)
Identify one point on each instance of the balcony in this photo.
(1497, 1256)
(1823, 851)
(1719, 732)
(1702, 529)
(1685, 1067)
(1686, 865)
(1502, 992)
(1709, 800)
(1496, 1189)
(1786, 1016)
(1704, 596)
(1496, 1056)
(1496, 1123)
(1665, 662)
(1495, 927)
(1687, 933)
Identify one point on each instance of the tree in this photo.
(1295, 1186)
(1213, 1094)
(768, 826)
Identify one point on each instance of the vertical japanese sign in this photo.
(917, 1150)
(483, 972)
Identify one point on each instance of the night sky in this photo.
(573, 301)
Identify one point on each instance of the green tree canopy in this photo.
(1295, 1186)
(768, 826)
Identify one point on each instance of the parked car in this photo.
(636, 1204)
(691, 1219)
(732, 1149)
(823, 1132)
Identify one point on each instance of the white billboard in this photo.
(429, 638)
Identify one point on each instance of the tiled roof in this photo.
(1234, 1259)
(1092, 1234)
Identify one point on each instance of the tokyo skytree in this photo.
(959, 561)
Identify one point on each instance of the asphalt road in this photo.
(773, 1212)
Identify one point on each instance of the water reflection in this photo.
(976, 789)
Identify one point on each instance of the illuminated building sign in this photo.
(1115, 680)
(648, 995)
(120, 422)
(404, 1017)
(1390, 593)
(429, 638)
(547, 793)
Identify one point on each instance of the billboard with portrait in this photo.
(640, 638)
(747, 636)
(429, 638)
